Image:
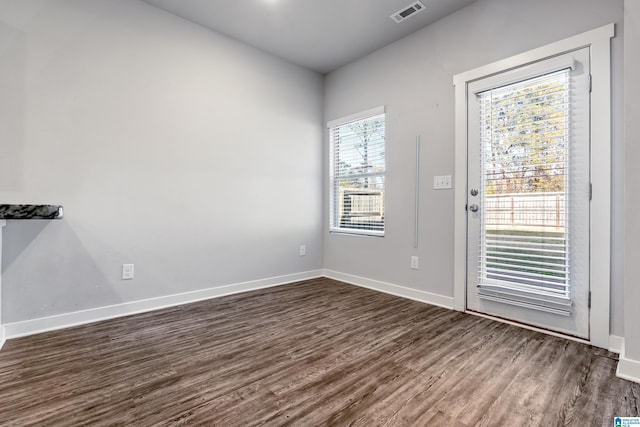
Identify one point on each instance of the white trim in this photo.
(356, 116)
(3, 335)
(615, 343)
(67, 320)
(585, 39)
(460, 200)
(601, 181)
(356, 232)
(599, 42)
(537, 69)
(628, 369)
(389, 288)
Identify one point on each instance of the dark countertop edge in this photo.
(30, 211)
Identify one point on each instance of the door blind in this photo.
(525, 238)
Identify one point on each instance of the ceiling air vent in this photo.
(406, 12)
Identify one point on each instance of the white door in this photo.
(529, 194)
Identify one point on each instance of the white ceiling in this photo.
(321, 35)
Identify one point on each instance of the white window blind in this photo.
(357, 173)
(525, 253)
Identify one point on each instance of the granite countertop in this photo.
(31, 212)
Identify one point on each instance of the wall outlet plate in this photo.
(127, 271)
(415, 262)
(303, 250)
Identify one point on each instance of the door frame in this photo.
(600, 237)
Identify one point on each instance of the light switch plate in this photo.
(442, 182)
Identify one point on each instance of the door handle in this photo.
(473, 208)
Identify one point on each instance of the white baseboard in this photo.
(66, 320)
(615, 343)
(388, 288)
(628, 369)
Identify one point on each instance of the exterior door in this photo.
(528, 197)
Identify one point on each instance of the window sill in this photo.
(352, 232)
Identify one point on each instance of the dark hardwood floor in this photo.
(317, 352)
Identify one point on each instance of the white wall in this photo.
(189, 154)
(632, 130)
(413, 78)
(134, 120)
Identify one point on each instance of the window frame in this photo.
(334, 223)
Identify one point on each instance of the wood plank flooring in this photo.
(318, 352)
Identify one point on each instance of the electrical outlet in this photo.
(303, 250)
(442, 182)
(415, 263)
(127, 271)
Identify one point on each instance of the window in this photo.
(357, 173)
(525, 148)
